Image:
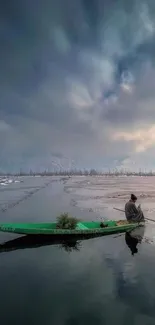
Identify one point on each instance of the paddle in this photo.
(124, 212)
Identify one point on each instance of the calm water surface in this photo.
(100, 282)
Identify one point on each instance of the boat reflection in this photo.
(134, 238)
(28, 242)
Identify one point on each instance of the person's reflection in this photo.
(133, 238)
(131, 243)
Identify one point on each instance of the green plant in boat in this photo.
(64, 221)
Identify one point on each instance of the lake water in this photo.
(99, 283)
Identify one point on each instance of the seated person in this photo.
(132, 212)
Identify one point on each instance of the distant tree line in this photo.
(81, 172)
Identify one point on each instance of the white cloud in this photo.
(4, 126)
(127, 82)
(99, 67)
(146, 20)
(127, 88)
(142, 139)
(61, 41)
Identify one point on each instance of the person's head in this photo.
(133, 198)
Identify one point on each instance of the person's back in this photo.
(133, 213)
(130, 210)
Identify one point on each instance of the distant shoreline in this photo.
(79, 173)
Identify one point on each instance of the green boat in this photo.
(95, 228)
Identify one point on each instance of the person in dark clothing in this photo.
(132, 212)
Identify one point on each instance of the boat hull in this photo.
(83, 228)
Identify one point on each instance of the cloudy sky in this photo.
(77, 83)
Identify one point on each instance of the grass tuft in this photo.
(65, 221)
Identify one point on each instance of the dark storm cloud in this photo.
(64, 76)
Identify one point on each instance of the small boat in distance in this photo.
(94, 228)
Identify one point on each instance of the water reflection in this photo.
(70, 246)
(131, 243)
(28, 242)
(134, 238)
